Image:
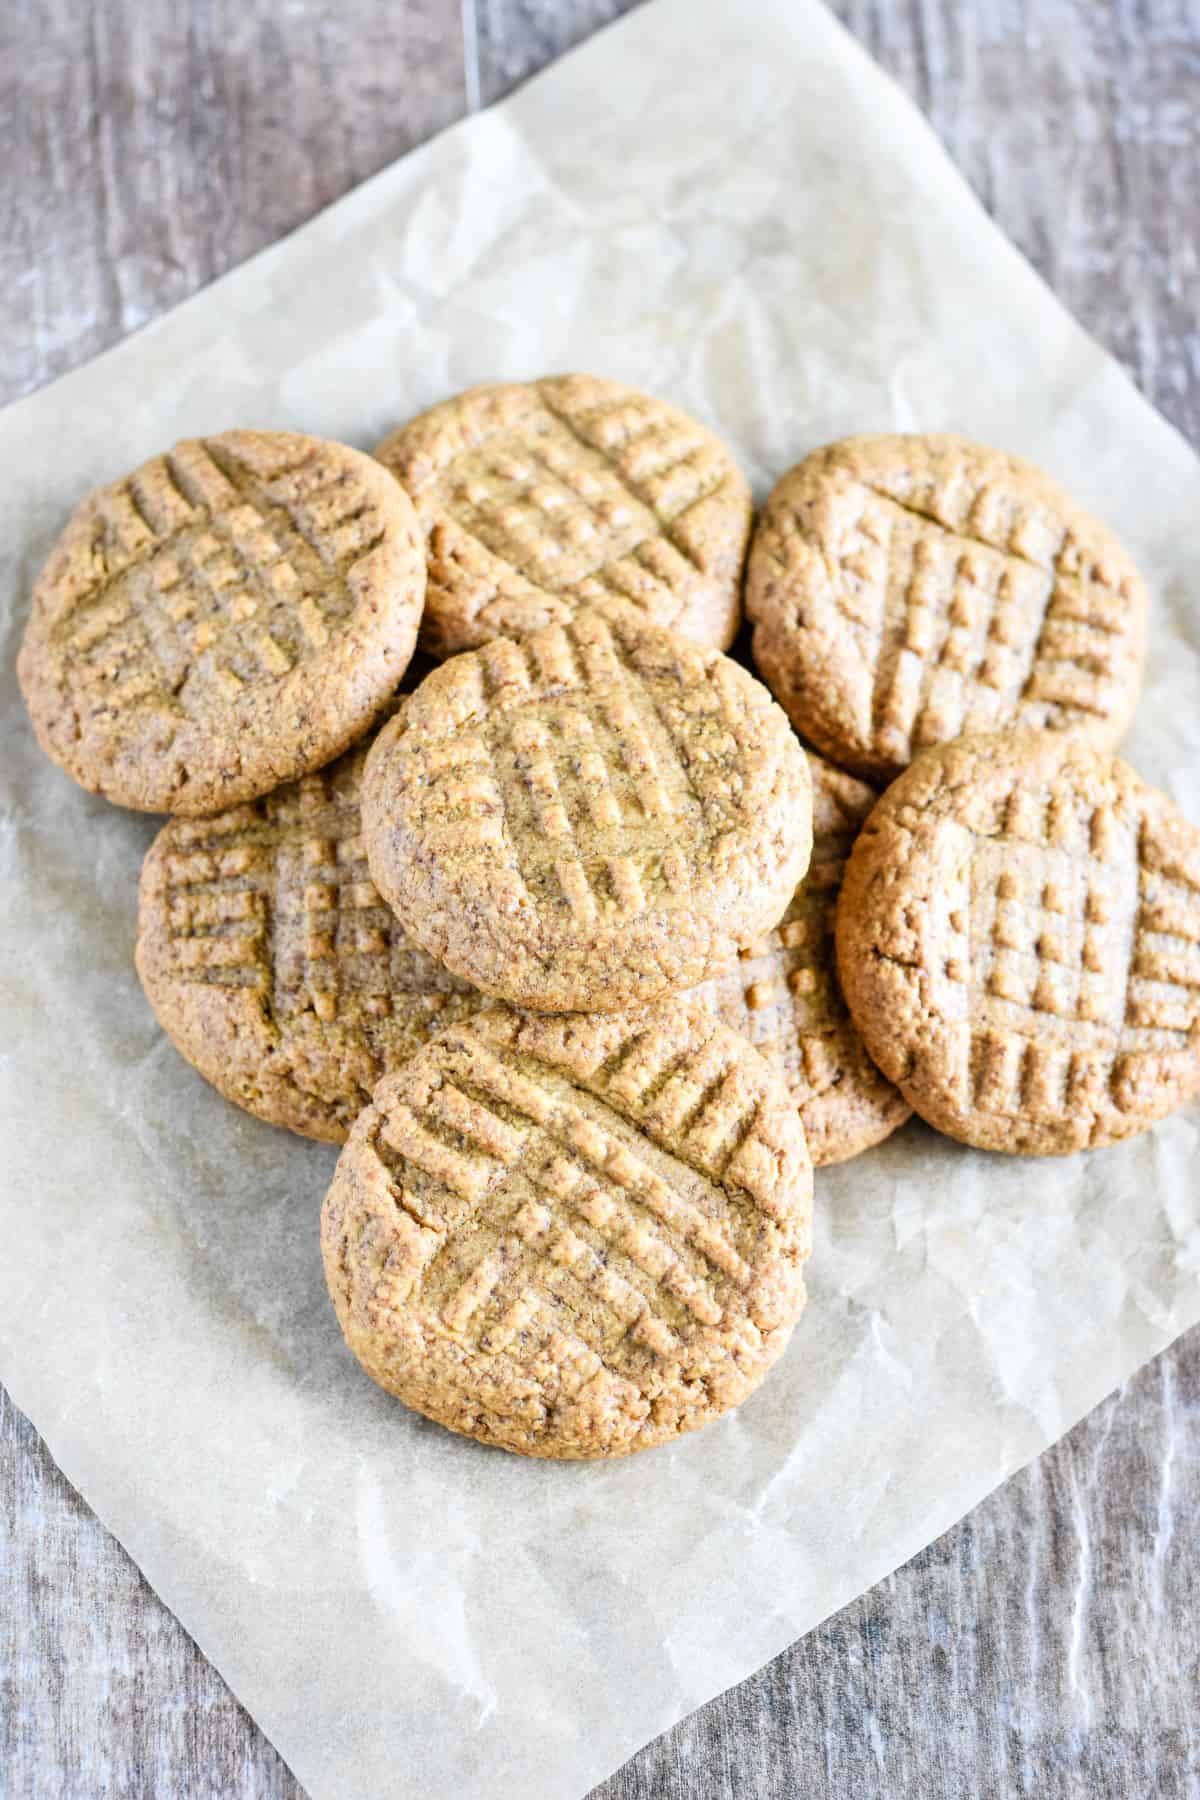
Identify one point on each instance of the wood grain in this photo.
(149, 145)
(516, 38)
(1047, 1645)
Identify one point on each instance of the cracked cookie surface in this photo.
(905, 591)
(572, 1236)
(537, 498)
(231, 615)
(1018, 939)
(784, 995)
(589, 818)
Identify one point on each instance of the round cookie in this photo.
(1017, 938)
(784, 995)
(906, 590)
(572, 1237)
(272, 963)
(589, 818)
(231, 615)
(539, 497)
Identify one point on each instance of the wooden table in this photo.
(1049, 1644)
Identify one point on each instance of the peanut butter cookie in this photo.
(572, 1236)
(784, 995)
(1018, 938)
(538, 497)
(906, 590)
(233, 614)
(589, 818)
(272, 963)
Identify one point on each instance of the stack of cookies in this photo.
(488, 863)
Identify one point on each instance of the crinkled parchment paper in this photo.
(727, 204)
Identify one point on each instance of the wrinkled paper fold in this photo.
(730, 206)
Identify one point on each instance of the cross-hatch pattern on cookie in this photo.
(278, 895)
(584, 1224)
(568, 507)
(599, 1217)
(964, 630)
(161, 624)
(542, 497)
(275, 898)
(577, 775)
(1057, 934)
(1019, 936)
(906, 591)
(783, 995)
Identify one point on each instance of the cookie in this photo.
(589, 818)
(232, 615)
(539, 497)
(784, 995)
(1018, 938)
(572, 1236)
(272, 963)
(906, 590)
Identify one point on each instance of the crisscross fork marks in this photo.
(579, 750)
(908, 590)
(693, 468)
(783, 995)
(652, 447)
(535, 1320)
(278, 895)
(211, 580)
(1163, 1006)
(333, 939)
(1054, 899)
(635, 719)
(571, 511)
(171, 506)
(588, 1229)
(275, 898)
(652, 575)
(1084, 584)
(515, 1255)
(495, 1114)
(701, 1107)
(280, 539)
(961, 629)
(581, 780)
(990, 516)
(336, 948)
(217, 900)
(1044, 633)
(991, 937)
(1071, 664)
(530, 502)
(535, 1306)
(550, 1259)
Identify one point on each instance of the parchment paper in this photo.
(729, 205)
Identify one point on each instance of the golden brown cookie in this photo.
(572, 1236)
(906, 590)
(784, 995)
(1018, 938)
(231, 615)
(272, 963)
(539, 497)
(589, 818)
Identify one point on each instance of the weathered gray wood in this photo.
(1046, 1646)
(102, 1693)
(516, 38)
(149, 145)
